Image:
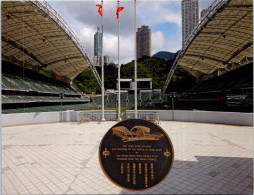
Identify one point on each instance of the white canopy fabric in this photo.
(223, 40)
(34, 35)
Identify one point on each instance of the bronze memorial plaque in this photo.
(136, 154)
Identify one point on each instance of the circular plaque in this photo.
(136, 154)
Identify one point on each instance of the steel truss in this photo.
(238, 35)
(46, 8)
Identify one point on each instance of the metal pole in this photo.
(119, 102)
(173, 106)
(173, 103)
(102, 68)
(135, 64)
(61, 98)
(61, 110)
(97, 47)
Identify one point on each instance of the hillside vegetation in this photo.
(147, 67)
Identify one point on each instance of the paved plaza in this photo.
(62, 158)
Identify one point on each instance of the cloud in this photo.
(158, 41)
(126, 47)
(110, 44)
(86, 13)
(162, 43)
(83, 18)
(158, 12)
(85, 37)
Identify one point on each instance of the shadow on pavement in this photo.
(207, 175)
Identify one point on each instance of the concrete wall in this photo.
(233, 118)
(37, 117)
(49, 117)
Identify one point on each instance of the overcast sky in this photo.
(163, 17)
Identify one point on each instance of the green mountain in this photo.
(164, 55)
(148, 67)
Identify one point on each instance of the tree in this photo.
(147, 67)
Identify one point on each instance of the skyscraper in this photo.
(143, 41)
(98, 43)
(190, 17)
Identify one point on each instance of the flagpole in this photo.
(135, 63)
(102, 67)
(119, 101)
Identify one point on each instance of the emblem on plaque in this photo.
(105, 153)
(136, 154)
(136, 133)
(167, 153)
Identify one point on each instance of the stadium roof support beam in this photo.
(35, 34)
(223, 37)
(240, 6)
(204, 57)
(14, 60)
(61, 60)
(22, 49)
(239, 51)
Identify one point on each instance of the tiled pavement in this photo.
(62, 158)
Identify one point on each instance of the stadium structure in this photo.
(41, 56)
(219, 49)
(213, 147)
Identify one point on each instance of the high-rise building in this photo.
(96, 61)
(98, 43)
(190, 17)
(143, 41)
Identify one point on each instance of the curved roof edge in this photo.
(48, 42)
(209, 48)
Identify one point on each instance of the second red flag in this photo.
(118, 10)
(100, 9)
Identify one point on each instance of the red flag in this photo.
(118, 10)
(100, 9)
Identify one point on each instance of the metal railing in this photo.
(46, 8)
(150, 116)
(113, 116)
(97, 116)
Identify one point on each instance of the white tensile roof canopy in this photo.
(34, 35)
(223, 40)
